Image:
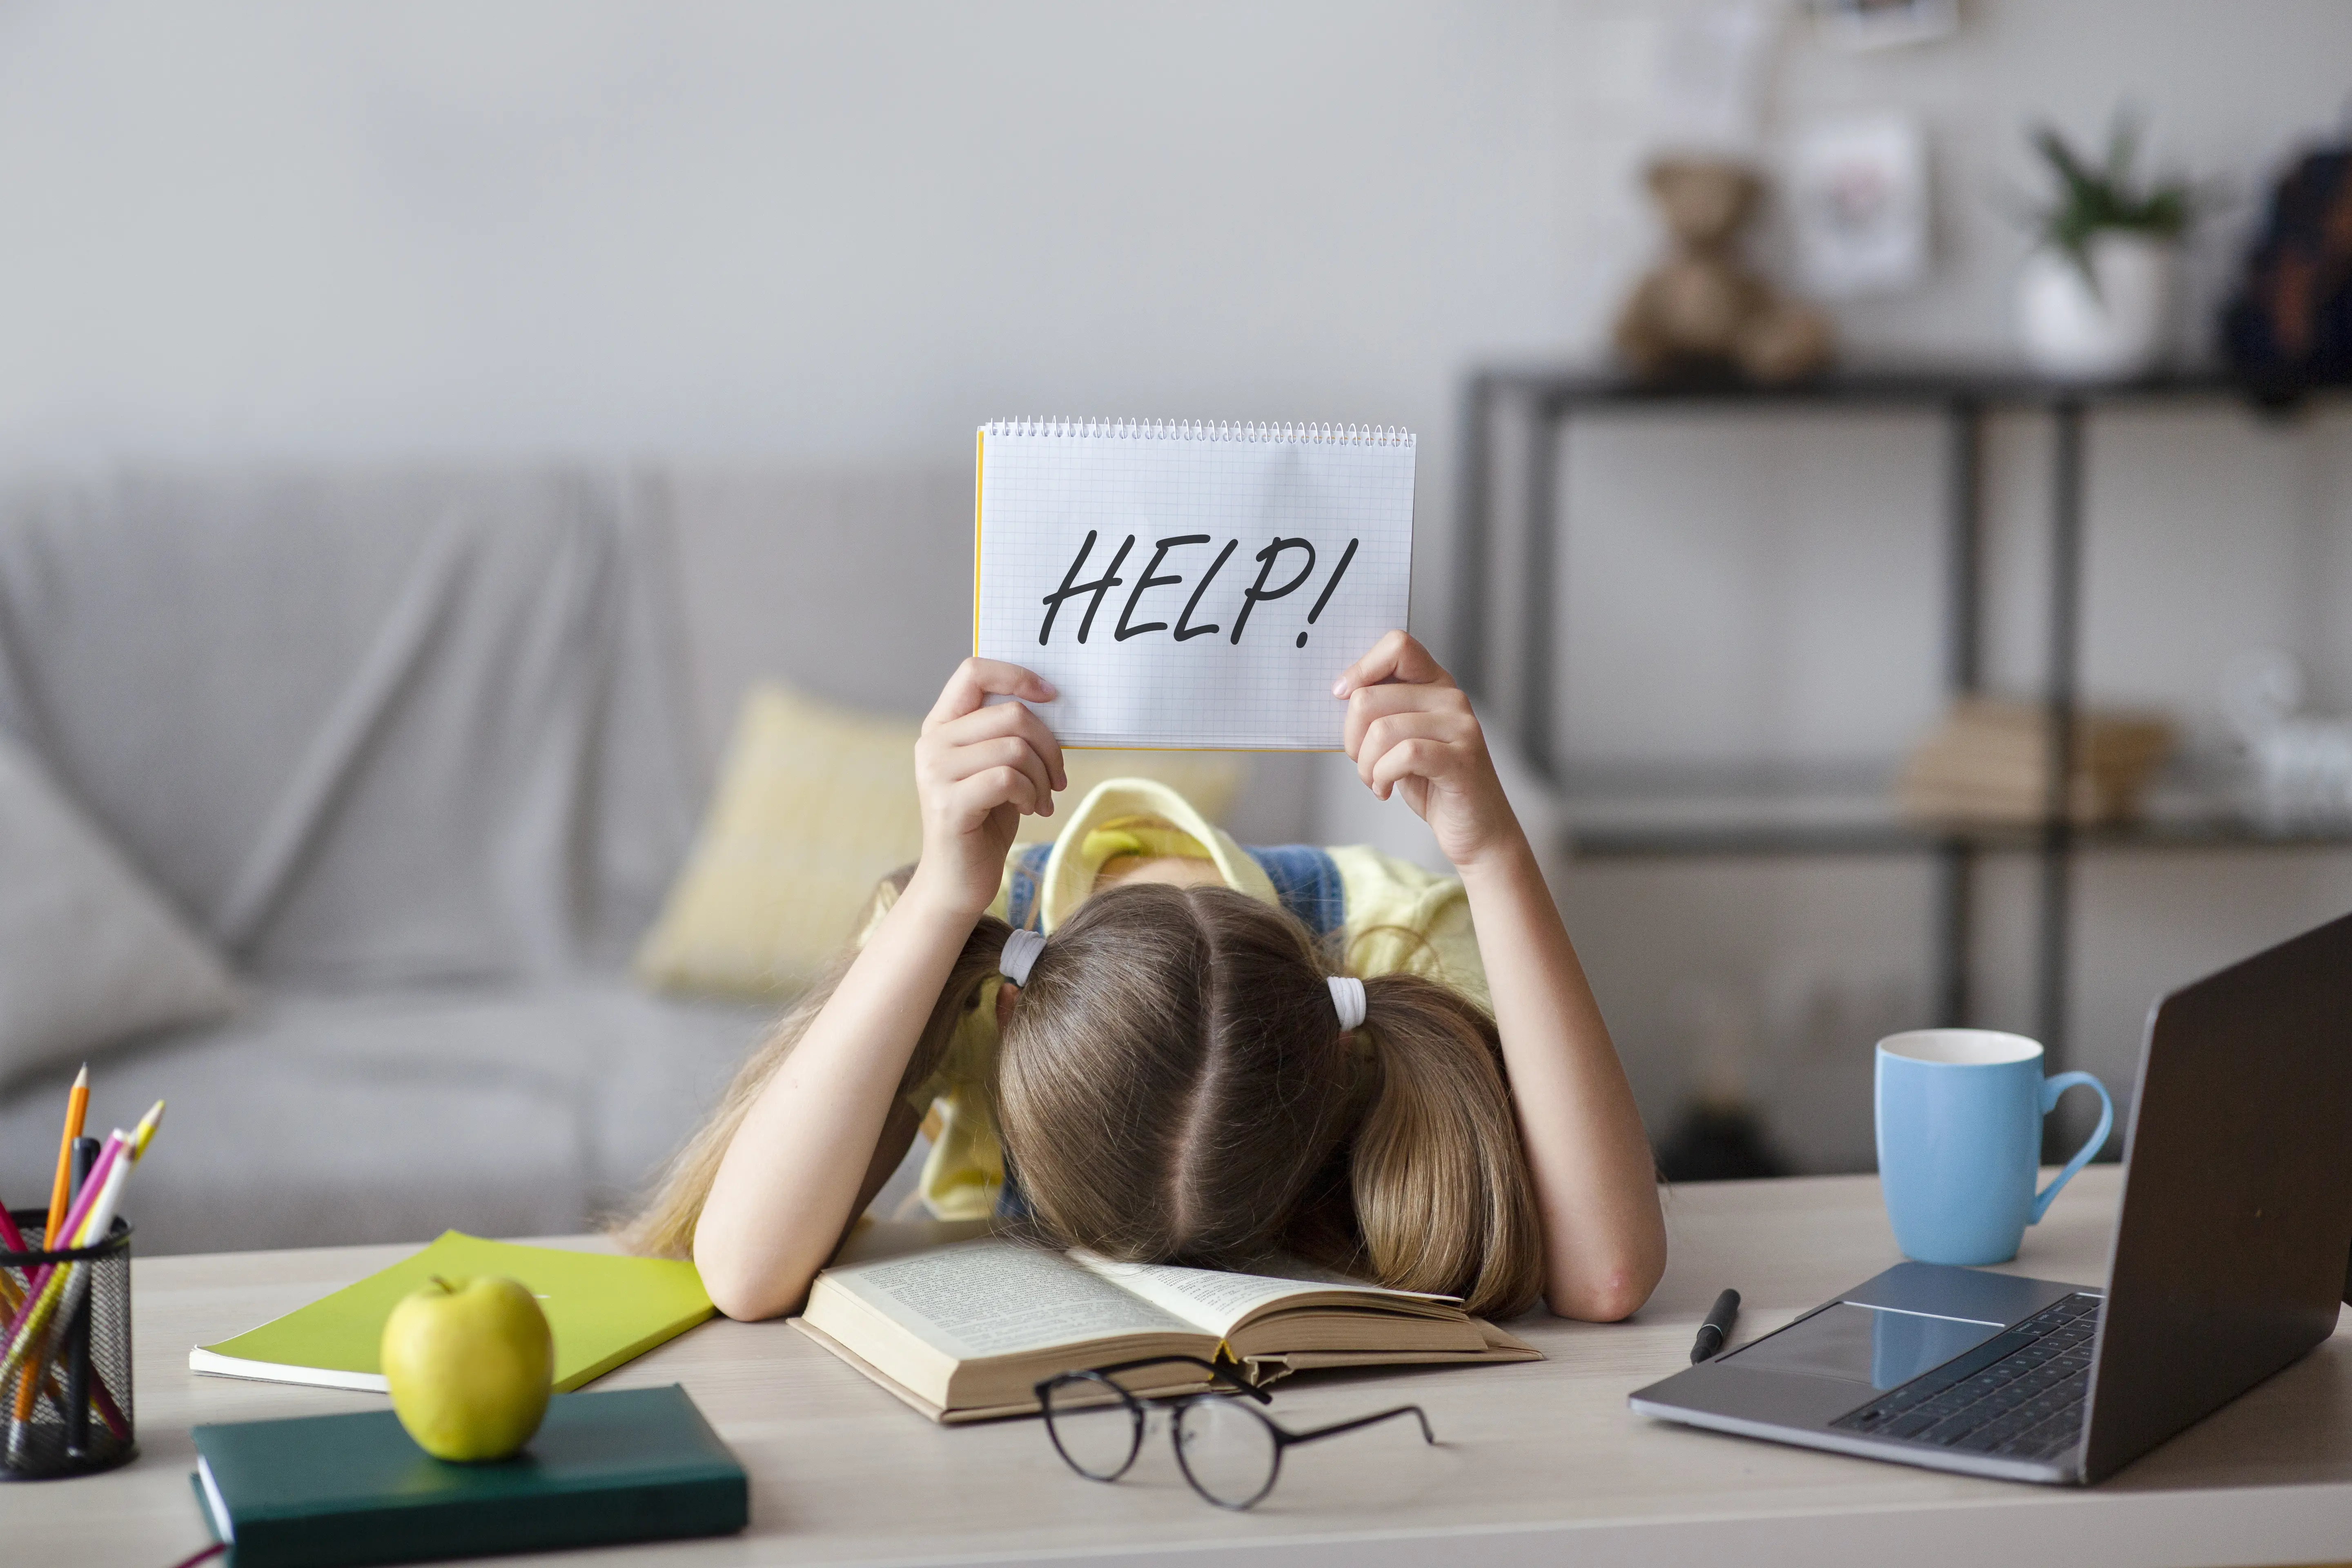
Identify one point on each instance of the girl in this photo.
(1154, 1044)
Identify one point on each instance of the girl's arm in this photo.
(1411, 730)
(803, 1158)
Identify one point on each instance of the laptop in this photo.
(2232, 1250)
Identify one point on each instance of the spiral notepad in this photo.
(1190, 585)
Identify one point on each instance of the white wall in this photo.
(839, 236)
(798, 232)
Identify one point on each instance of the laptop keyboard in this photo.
(2025, 1402)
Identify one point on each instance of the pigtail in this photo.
(1444, 1201)
(663, 1226)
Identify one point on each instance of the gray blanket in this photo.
(370, 730)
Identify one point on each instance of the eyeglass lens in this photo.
(1228, 1453)
(1096, 1429)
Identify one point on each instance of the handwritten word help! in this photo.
(1300, 566)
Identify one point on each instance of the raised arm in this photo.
(800, 1161)
(1410, 731)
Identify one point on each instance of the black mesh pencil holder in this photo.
(65, 1403)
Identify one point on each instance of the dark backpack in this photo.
(2290, 326)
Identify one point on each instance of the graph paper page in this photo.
(1190, 585)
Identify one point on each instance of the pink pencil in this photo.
(41, 1277)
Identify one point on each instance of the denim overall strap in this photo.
(1020, 904)
(1307, 880)
(1012, 1203)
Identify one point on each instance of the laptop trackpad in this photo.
(1864, 1345)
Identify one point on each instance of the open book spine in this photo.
(1206, 430)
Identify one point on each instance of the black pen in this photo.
(1716, 1328)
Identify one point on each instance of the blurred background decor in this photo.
(2290, 326)
(1858, 206)
(2098, 297)
(2300, 765)
(1990, 761)
(1720, 1135)
(1885, 24)
(1704, 311)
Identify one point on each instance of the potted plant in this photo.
(2097, 297)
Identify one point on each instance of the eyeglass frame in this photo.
(1283, 1438)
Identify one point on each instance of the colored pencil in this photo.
(36, 1286)
(106, 1154)
(61, 1189)
(27, 1339)
(28, 1388)
(11, 1299)
(117, 1144)
(122, 1149)
(72, 1284)
(29, 1343)
(92, 1216)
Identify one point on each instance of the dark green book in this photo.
(633, 1464)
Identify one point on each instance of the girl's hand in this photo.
(978, 770)
(1410, 729)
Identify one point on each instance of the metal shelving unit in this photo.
(1762, 814)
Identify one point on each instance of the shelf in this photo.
(1914, 386)
(1692, 814)
(1627, 819)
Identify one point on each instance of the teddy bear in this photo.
(1701, 310)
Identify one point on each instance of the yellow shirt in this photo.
(1394, 916)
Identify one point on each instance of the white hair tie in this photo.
(1347, 998)
(1020, 955)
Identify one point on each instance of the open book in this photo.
(964, 1332)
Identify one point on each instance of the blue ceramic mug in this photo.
(1959, 1141)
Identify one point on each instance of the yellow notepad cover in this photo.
(602, 1309)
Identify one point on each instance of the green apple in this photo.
(470, 1362)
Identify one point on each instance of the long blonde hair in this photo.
(1172, 1086)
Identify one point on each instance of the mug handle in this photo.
(2051, 1088)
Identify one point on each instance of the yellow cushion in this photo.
(814, 804)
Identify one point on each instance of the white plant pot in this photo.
(2124, 329)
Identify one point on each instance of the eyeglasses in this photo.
(1229, 1451)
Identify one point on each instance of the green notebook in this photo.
(603, 1310)
(635, 1464)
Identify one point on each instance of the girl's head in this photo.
(1173, 1086)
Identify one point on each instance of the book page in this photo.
(1190, 585)
(1215, 1301)
(993, 1297)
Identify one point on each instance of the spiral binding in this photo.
(1207, 430)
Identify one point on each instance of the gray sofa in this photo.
(415, 753)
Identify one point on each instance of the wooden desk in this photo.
(1541, 1462)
